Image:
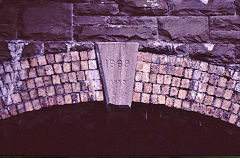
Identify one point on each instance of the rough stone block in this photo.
(66, 67)
(177, 103)
(200, 97)
(136, 97)
(99, 96)
(21, 108)
(226, 104)
(72, 77)
(25, 96)
(92, 75)
(228, 94)
(138, 76)
(41, 71)
(81, 76)
(56, 79)
(160, 79)
(145, 77)
(41, 92)
(95, 9)
(219, 92)
(16, 98)
(118, 33)
(30, 83)
(185, 83)
(161, 99)
(145, 98)
(174, 91)
(167, 79)
(169, 101)
(156, 89)
(208, 100)
(84, 55)
(45, 21)
(58, 58)
(92, 64)
(36, 104)
(55, 47)
(67, 88)
(195, 7)
(60, 100)
(233, 119)
(171, 29)
(154, 99)
(165, 89)
(28, 106)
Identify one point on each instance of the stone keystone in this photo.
(117, 63)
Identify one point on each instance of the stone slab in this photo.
(117, 63)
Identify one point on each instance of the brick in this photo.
(228, 94)
(233, 119)
(174, 91)
(60, 100)
(58, 68)
(176, 82)
(41, 92)
(84, 55)
(220, 70)
(169, 101)
(33, 62)
(13, 110)
(36, 104)
(84, 65)
(47, 80)
(16, 98)
(99, 96)
(84, 86)
(210, 90)
(42, 60)
(76, 66)
(76, 87)
(195, 107)
(202, 87)
(49, 70)
(197, 75)
(205, 77)
(21, 108)
(185, 83)
(96, 85)
(208, 100)
(182, 94)
(165, 89)
(58, 58)
(210, 111)
(32, 73)
(147, 88)
(145, 98)
(179, 71)
(66, 67)
(93, 75)
(138, 76)
(231, 84)
(154, 68)
(200, 97)
(72, 77)
(161, 99)
(84, 97)
(177, 103)
(136, 97)
(188, 73)
(41, 71)
(75, 56)
(163, 69)
(154, 99)
(145, 77)
(16, 65)
(67, 88)
(50, 91)
(226, 104)
(167, 79)
(160, 79)
(67, 57)
(203, 66)
(91, 54)
(235, 108)
(81, 76)
(24, 64)
(52, 101)
(33, 94)
(92, 64)
(153, 78)
(186, 105)
(25, 96)
(50, 58)
(218, 102)
(156, 89)
(219, 92)
(30, 83)
(56, 79)
(222, 82)
(171, 70)
(28, 106)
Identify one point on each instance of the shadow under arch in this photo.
(87, 129)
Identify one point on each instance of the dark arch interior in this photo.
(87, 129)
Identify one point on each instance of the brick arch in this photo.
(187, 84)
(47, 80)
(73, 77)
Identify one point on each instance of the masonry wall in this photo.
(189, 52)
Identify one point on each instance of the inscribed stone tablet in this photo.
(117, 62)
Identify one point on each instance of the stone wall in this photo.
(200, 29)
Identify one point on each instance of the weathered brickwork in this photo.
(47, 80)
(187, 84)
